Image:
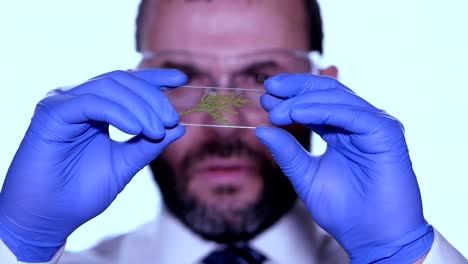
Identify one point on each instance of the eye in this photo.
(195, 76)
(198, 78)
(255, 77)
(261, 77)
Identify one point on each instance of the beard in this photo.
(213, 221)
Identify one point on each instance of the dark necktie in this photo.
(235, 254)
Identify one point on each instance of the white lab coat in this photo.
(295, 238)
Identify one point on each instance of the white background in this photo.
(407, 57)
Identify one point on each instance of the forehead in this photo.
(224, 26)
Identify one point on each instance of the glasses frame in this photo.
(314, 58)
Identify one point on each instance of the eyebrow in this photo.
(263, 64)
(184, 67)
(191, 68)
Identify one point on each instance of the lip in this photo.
(224, 170)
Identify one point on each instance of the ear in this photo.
(330, 71)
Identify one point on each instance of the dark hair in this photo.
(314, 24)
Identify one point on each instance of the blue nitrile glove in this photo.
(67, 170)
(363, 189)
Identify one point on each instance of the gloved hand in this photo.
(67, 170)
(363, 189)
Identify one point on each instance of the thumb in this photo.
(133, 155)
(291, 157)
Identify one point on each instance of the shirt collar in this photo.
(291, 239)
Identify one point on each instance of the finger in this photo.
(280, 112)
(82, 109)
(356, 120)
(139, 151)
(268, 101)
(107, 88)
(292, 158)
(288, 85)
(157, 77)
(164, 78)
(150, 91)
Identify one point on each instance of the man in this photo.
(226, 199)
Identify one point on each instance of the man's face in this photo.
(222, 182)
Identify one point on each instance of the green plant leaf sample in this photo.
(218, 105)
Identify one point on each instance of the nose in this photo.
(224, 108)
(225, 133)
(223, 79)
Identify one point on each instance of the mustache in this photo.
(223, 149)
